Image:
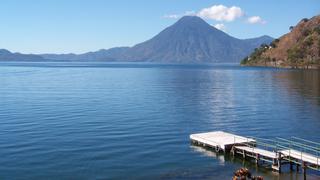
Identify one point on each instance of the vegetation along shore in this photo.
(300, 48)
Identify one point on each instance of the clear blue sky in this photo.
(62, 26)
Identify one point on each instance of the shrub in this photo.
(295, 54)
(317, 30)
(264, 45)
(291, 28)
(308, 41)
(245, 60)
(273, 44)
(306, 32)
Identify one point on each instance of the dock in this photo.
(277, 152)
(219, 140)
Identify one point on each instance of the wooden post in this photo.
(279, 165)
(233, 151)
(291, 166)
(297, 167)
(257, 159)
(304, 169)
(279, 162)
(273, 164)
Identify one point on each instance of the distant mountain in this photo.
(190, 40)
(101, 55)
(6, 55)
(300, 48)
(257, 42)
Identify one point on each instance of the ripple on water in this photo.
(110, 122)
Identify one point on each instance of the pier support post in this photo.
(279, 165)
(291, 166)
(273, 164)
(279, 162)
(232, 151)
(257, 159)
(297, 167)
(304, 169)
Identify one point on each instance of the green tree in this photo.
(317, 30)
(295, 55)
(291, 28)
(244, 61)
(308, 41)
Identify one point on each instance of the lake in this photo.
(133, 121)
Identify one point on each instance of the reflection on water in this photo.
(109, 121)
(305, 82)
(210, 153)
(263, 169)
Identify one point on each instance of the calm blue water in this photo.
(133, 121)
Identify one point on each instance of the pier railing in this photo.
(277, 151)
(303, 150)
(262, 143)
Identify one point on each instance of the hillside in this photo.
(6, 55)
(189, 40)
(300, 48)
(101, 55)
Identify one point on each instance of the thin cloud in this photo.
(220, 26)
(221, 13)
(171, 16)
(256, 20)
(177, 16)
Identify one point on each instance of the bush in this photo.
(317, 30)
(319, 47)
(291, 28)
(245, 60)
(306, 32)
(273, 44)
(308, 41)
(295, 54)
(264, 45)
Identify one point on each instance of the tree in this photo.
(317, 29)
(274, 62)
(264, 45)
(306, 32)
(273, 44)
(291, 28)
(245, 60)
(295, 55)
(308, 41)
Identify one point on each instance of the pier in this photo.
(277, 152)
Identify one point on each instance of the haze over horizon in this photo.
(82, 26)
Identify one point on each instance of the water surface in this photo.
(133, 121)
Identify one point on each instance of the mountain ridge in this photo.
(300, 48)
(189, 40)
(6, 55)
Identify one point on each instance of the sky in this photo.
(78, 26)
